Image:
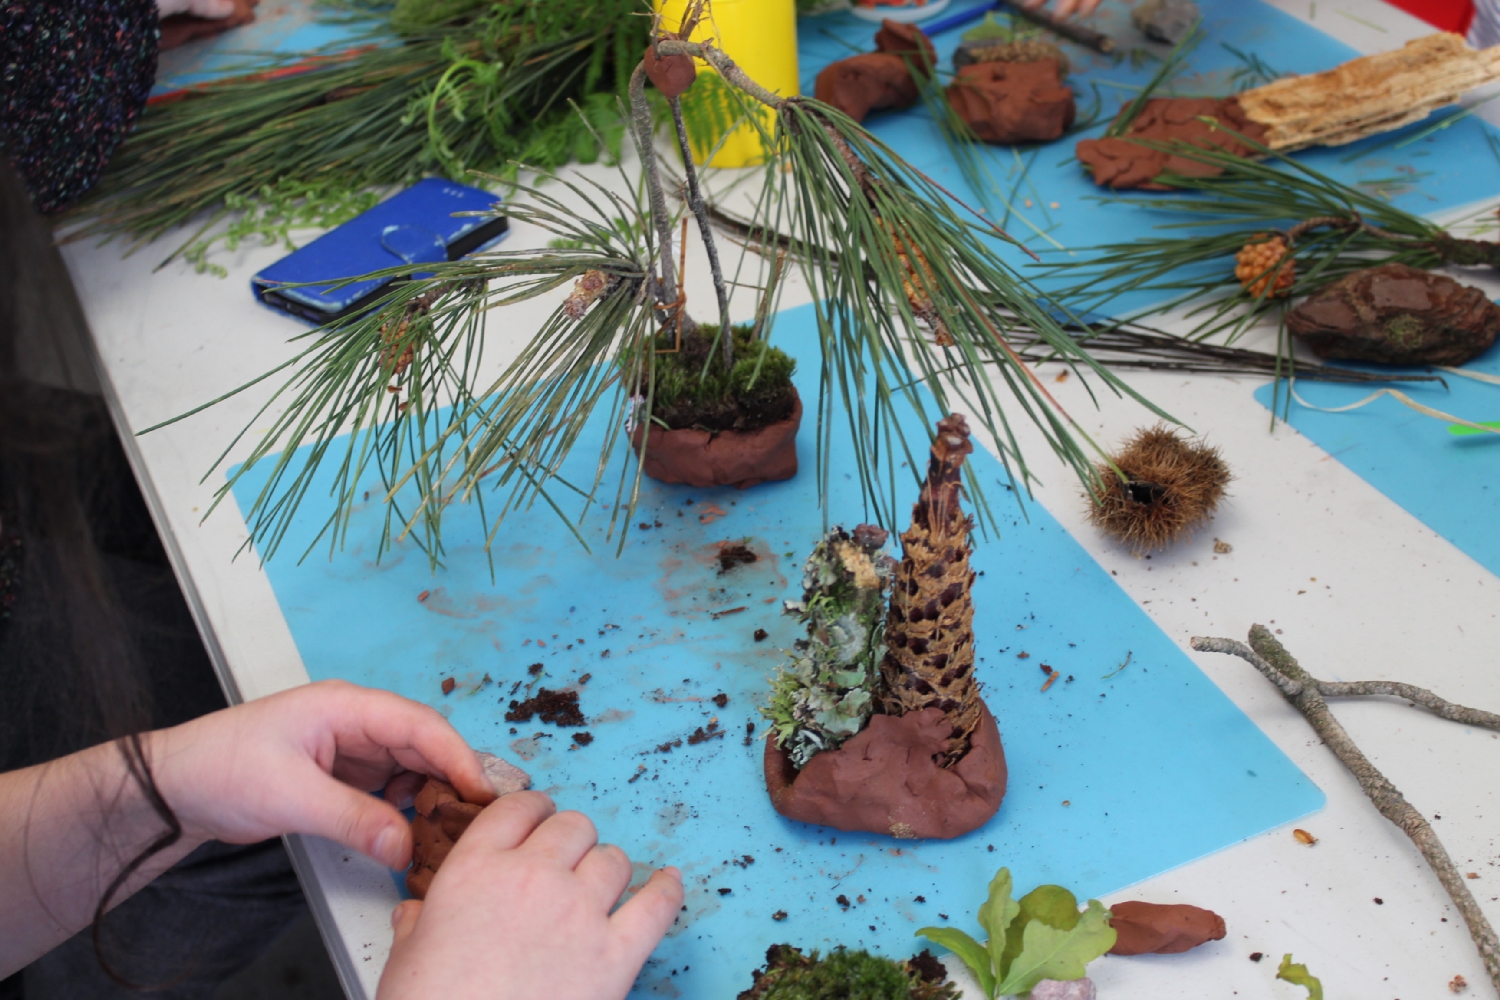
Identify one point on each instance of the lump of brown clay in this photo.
(907, 40)
(1155, 928)
(441, 819)
(672, 75)
(884, 780)
(1121, 164)
(727, 458)
(874, 81)
(1397, 315)
(1013, 102)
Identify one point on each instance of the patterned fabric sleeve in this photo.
(73, 76)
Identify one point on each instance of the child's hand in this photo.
(521, 910)
(303, 760)
(1066, 8)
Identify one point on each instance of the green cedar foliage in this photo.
(1043, 935)
(842, 975)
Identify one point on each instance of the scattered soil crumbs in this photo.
(721, 699)
(749, 733)
(921, 899)
(725, 890)
(745, 861)
(448, 685)
(535, 669)
(927, 968)
(779, 915)
(842, 900)
(557, 707)
(1256, 956)
(760, 634)
(667, 746)
(585, 679)
(637, 775)
(583, 739)
(736, 554)
(701, 735)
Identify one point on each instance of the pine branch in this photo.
(1306, 692)
(705, 230)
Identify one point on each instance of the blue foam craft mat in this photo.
(1111, 780)
(1448, 482)
(1452, 167)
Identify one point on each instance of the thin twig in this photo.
(723, 65)
(705, 229)
(640, 114)
(1305, 692)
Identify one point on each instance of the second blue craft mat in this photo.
(1113, 778)
(1448, 482)
(1452, 167)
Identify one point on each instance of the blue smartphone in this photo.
(417, 226)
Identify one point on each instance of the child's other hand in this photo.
(521, 909)
(303, 761)
(1066, 8)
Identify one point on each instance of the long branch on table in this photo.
(1306, 693)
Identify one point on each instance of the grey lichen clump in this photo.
(827, 693)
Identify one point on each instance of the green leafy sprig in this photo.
(1297, 975)
(1043, 935)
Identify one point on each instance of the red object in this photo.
(1445, 15)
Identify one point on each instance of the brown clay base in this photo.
(728, 458)
(441, 819)
(1013, 102)
(1162, 928)
(1121, 164)
(860, 84)
(884, 780)
(1397, 315)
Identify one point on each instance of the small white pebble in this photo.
(1074, 989)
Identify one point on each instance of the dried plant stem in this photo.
(1305, 692)
(705, 229)
(640, 115)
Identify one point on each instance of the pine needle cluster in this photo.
(1170, 487)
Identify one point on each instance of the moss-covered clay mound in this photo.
(848, 975)
(755, 393)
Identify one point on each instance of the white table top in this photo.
(1359, 588)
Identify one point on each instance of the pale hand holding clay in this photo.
(303, 761)
(1065, 8)
(521, 909)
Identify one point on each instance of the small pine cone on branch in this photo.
(929, 660)
(1256, 267)
(587, 290)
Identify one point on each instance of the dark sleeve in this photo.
(75, 75)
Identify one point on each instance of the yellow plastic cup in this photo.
(760, 36)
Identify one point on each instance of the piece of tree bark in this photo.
(1306, 693)
(929, 634)
(1371, 94)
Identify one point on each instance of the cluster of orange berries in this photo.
(1255, 267)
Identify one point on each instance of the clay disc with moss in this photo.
(844, 975)
(1398, 315)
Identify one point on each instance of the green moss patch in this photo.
(847, 975)
(756, 392)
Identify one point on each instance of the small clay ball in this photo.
(907, 40)
(672, 75)
(1013, 102)
(1398, 315)
(874, 81)
(1162, 929)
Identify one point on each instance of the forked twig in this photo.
(1306, 693)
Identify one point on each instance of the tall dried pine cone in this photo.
(929, 632)
(1255, 267)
